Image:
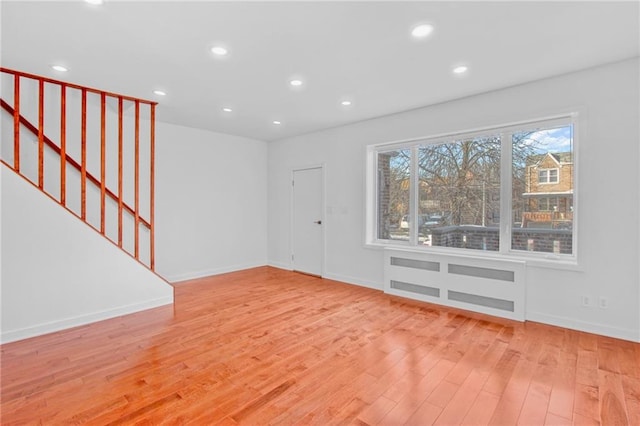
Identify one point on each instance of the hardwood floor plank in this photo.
(515, 392)
(442, 394)
(587, 368)
(631, 387)
(458, 407)
(613, 407)
(535, 406)
(501, 373)
(403, 410)
(482, 409)
(562, 394)
(586, 404)
(608, 358)
(426, 414)
(238, 416)
(555, 420)
(267, 346)
(373, 413)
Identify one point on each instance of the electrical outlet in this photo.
(586, 301)
(603, 302)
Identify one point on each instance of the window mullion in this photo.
(506, 201)
(413, 197)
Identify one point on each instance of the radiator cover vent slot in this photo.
(414, 288)
(475, 271)
(417, 264)
(489, 302)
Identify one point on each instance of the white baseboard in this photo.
(174, 279)
(588, 327)
(280, 265)
(336, 277)
(352, 280)
(50, 327)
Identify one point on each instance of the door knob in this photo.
(319, 222)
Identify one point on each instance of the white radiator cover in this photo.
(489, 286)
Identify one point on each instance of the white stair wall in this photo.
(58, 273)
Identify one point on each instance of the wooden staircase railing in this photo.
(98, 180)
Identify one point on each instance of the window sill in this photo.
(536, 260)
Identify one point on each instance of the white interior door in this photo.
(308, 243)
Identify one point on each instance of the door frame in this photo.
(323, 197)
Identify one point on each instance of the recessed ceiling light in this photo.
(60, 68)
(227, 109)
(296, 82)
(345, 103)
(96, 2)
(422, 30)
(219, 50)
(160, 93)
(276, 122)
(461, 69)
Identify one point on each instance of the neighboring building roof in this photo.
(559, 157)
(563, 157)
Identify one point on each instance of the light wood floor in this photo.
(266, 346)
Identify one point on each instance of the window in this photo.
(486, 191)
(543, 216)
(548, 176)
(547, 204)
(459, 186)
(393, 194)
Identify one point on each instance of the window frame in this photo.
(506, 132)
(548, 180)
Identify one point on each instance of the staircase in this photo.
(91, 153)
(89, 150)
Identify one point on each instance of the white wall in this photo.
(57, 272)
(608, 244)
(211, 198)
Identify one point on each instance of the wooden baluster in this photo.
(63, 145)
(41, 134)
(103, 149)
(136, 206)
(120, 171)
(83, 167)
(16, 123)
(152, 189)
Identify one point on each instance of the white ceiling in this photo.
(357, 50)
